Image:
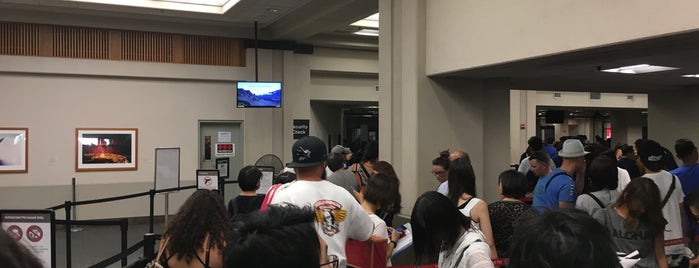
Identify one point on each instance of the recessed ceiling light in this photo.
(639, 69)
(691, 75)
(370, 22)
(369, 32)
(203, 6)
(273, 10)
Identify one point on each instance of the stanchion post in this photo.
(124, 237)
(68, 233)
(222, 186)
(152, 208)
(149, 246)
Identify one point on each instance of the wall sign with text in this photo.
(301, 128)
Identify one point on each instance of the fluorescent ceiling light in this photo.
(202, 6)
(369, 32)
(639, 69)
(369, 22)
(691, 75)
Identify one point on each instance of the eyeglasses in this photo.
(439, 173)
(333, 261)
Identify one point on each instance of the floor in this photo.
(96, 243)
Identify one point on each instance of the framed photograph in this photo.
(106, 149)
(223, 168)
(13, 150)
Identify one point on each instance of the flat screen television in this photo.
(259, 94)
(555, 116)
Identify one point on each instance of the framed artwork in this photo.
(106, 149)
(13, 150)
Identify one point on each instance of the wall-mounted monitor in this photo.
(555, 116)
(259, 94)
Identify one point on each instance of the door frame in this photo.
(242, 134)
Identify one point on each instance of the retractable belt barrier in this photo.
(123, 223)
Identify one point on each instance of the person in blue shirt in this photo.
(556, 188)
(688, 173)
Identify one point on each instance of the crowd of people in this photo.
(568, 204)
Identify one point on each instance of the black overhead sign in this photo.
(301, 127)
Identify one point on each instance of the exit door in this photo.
(222, 140)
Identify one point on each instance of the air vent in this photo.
(376, 88)
(557, 94)
(629, 97)
(595, 95)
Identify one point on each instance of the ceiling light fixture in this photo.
(691, 75)
(639, 69)
(368, 32)
(202, 6)
(368, 22)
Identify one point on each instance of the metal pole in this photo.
(68, 234)
(152, 207)
(124, 240)
(75, 209)
(167, 206)
(256, 68)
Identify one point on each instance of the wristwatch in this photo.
(394, 243)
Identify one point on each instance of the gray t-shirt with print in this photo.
(626, 241)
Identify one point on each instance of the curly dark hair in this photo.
(204, 213)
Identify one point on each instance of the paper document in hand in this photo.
(405, 241)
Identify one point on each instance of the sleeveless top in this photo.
(466, 208)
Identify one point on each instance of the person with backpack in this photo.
(557, 188)
(603, 183)
(636, 223)
(248, 200)
(652, 156)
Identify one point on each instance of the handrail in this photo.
(68, 205)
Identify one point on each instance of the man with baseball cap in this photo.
(651, 155)
(338, 215)
(558, 189)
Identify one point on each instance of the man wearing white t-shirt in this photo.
(338, 215)
(651, 155)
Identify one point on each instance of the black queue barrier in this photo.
(148, 243)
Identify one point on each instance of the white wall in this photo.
(671, 117)
(464, 34)
(53, 96)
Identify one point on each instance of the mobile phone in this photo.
(400, 228)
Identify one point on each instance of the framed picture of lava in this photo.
(106, 149)
(13, 150)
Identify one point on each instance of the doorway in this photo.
(222, 140)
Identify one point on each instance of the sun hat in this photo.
(572, 148)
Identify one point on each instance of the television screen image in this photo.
(259, 94)
(555, 116)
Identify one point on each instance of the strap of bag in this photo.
(268, 197)
(601, 205)
(461, 256)
(669, 192)
(554, 176)
(161, 250)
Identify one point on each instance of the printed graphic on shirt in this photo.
(329, 214)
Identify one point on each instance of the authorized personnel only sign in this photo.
(33, 230)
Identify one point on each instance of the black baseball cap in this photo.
(308, 151)
(649, 152)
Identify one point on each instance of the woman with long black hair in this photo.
(442, 233)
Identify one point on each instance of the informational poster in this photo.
(224, 137)
(223, 167)
(301, 128)
(207, 179)
(33, 229)
(267, 179)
